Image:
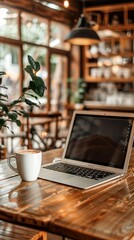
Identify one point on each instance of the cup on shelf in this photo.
(107, 73)
(126, 72)
(99, 72)
(28, 163)
(94, 72)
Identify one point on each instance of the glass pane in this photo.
(34, 29)
(9, 62)
(39, 54)
(58, 82)
(58, 33)
(9, 23)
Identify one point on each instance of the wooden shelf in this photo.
(111, 79)
(122, 36)
(120, 44)
(117, 28)
(110, 55)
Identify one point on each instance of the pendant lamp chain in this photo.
(83, 6)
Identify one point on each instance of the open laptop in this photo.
(97, 150)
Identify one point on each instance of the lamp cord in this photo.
(83, 6)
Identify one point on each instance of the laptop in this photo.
(97, 150)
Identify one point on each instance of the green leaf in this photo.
(38, 86)
(30, 103)
(40, 91)
(39, 82)
(29, 69)
(17, 112)
(25, 114)
(32, 85)
(37, 66)
(18, 122)
(4, 107)
(3, 99)
(33, 96)
(3, 87)
(2, 122)
(4, 95)
(12, 115)
(32, 62)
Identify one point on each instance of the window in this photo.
(57, 35)
(41, 38)
(9, 62)
(34, 29)
(58, 81)
(9, 23)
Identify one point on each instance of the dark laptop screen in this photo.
(99, 140)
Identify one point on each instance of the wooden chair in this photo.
(40, 236)
(47, 121)
(8, 139)
(9, 231)
(3, 152)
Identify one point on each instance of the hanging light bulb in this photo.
(83, 34)
(66, 3)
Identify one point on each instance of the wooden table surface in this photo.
(105, 212)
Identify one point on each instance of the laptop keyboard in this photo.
(79, 171)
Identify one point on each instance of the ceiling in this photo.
(77, 5)
(71, 14)
(89, 3)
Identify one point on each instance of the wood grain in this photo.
(105, 212)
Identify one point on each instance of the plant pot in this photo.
(78, 106)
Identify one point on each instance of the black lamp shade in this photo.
(82, 34)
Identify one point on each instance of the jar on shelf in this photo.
(115, 20)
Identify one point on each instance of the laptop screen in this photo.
(101, 140)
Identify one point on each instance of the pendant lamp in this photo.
(82, 34)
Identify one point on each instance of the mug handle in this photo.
(10, 165)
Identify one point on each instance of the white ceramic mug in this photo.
(28, 163)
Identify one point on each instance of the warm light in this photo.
(29, 24)
(44, 134)
(55, 42)
(66, 3)
(3, 12)
(100, 64)
(3, 15)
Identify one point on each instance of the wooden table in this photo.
(105, 212)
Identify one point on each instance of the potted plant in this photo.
(76, 92)
(12, 111)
